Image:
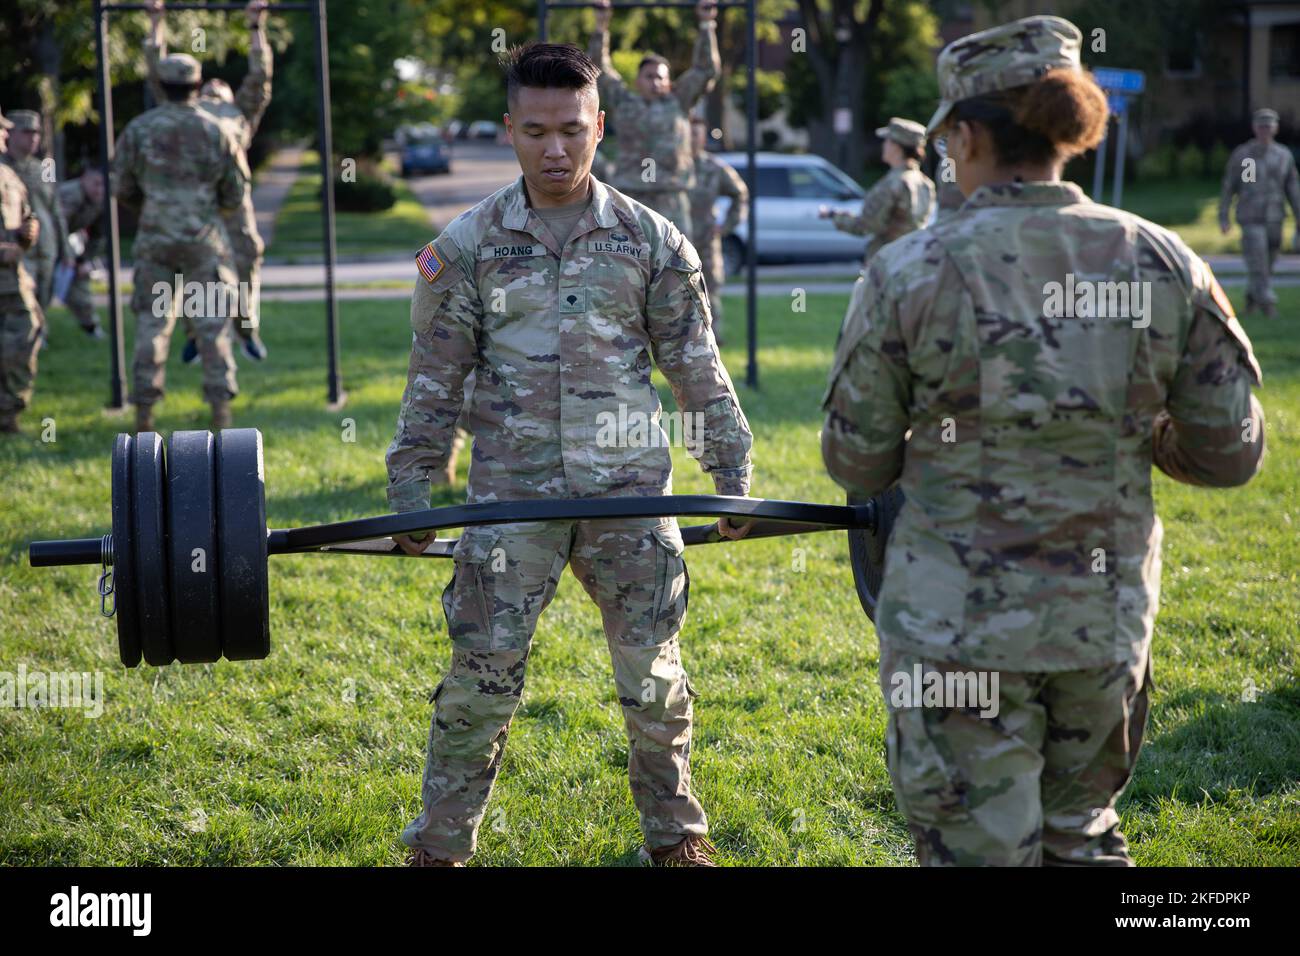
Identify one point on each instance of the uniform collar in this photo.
(1027, 194)
(519, 215)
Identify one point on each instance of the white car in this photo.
(791, 188)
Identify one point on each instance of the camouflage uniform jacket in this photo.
(178, 164)
(240, 119)
(1275, 184)
(1029, 540)
(15, 213)
(900, 203)
(714, 178)
(659, 128)
(81, 213)
(44, 199)
(559, 341)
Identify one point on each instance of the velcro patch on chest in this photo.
(632, 250)
(514, 251)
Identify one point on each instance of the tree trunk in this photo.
(48, 58)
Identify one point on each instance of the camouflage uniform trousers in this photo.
(20, 325)
(1260, 243)
(673, 204)
(506, 576)
(81, 302)
(1035, 785)
(247, 251)
(153, 333)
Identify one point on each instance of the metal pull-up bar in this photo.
(751, 122)
(325, 133)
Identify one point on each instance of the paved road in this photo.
(478, 169)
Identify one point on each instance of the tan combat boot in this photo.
(692, 850)
(143, 418)
(221, 417)
(425, 858)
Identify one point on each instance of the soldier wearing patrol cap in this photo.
(23, 157)
(901, 202)
(240, 113)
(1261, 173)
(182, 170)
(557, 292)
(1022, 420)
(20, 314)
(655, 164)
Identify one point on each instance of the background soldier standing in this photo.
(902, 200)
(557, 290)
(1261, 173)
(52, 247)
(713, 179)
(1028, 545)
(239, 114)
(20, 315)
(82, 201)
(183, 169)
(653, 122)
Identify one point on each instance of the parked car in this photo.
(791, 188)
(425, 152)
(483, 129)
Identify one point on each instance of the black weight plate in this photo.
(124, 596)
(867, 547)
(149, 522)
(241, 545)
(192, 547)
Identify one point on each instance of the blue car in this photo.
(425, 154)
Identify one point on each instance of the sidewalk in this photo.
(272, 187)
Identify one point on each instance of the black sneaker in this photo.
(254, 348)
(190, 354)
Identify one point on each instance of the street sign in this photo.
(1130, 82)
(1117, 102)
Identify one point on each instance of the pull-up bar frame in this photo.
(325, 133)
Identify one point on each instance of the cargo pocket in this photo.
(672, 584)
(468, 605)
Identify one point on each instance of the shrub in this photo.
(369, 193)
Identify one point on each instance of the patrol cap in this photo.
(179, 69)
(904, 132)
(1265, 117)
(1013, 54)
(26, 119)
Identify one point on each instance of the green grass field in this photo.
(400, 230)
(314, 755)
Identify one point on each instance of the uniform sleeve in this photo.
(235, 175)
(609, 84)
(1231, 184)
(678, 320)
(876, 210)
(705, 67)
(1292, 186)
(869, 397)
(255, 91)
(28, 222)
(446, 316)
(153, 53)
(731, 184)
(125, 186)
(1212, 430)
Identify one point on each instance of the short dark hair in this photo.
(548, 66)
(179, 92)
(651, 59)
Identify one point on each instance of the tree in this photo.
(853, 49)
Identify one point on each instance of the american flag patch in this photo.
(428, 262)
